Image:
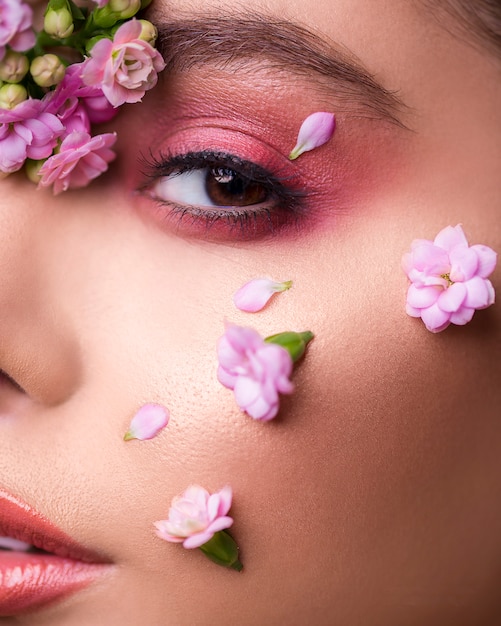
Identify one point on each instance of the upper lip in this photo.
(20, 521)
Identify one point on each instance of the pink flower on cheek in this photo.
(80, 159)
(449, 279)
(124, 68)
(256, 371)
(195, 516)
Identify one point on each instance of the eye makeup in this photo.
(213, 190)
(214, 160)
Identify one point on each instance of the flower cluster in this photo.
(449, 279)
(56, 83)
(256, 371)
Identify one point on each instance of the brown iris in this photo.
(225, 187)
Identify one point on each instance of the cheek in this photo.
(376, 434)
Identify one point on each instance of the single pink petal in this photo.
(412, 311)
(255, 294)
(435, 319)
(450, 237)
(452, 298)
(246, 391)
(128, 31)
(220, 523)
(225, 498)
(478, 294)
(164, 534)
(422, 297)
(197, 540)
(262, 412)
(431, 259)
(316, 130)
(249, 397)
(147, 422)
(492, 294)
(198, 495)
(226, 378)
(464, 263)
(486, 260)
(463, 316)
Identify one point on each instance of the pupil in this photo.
(225, 187)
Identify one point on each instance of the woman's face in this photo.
(373, 497)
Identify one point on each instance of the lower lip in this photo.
(30, 581)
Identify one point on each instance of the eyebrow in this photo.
(281, 45)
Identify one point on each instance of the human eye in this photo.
(221, 194)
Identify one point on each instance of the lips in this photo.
(39, 564)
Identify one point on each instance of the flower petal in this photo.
(479, 296)
(450, 237)
(487, 259)
(452, 298)
(316, 130)
(255, 294)
(464, 263)
(147, 422)
(422, 297)
(195, 541)
(463, 316)
(435, 319)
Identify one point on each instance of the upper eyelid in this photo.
(167, 164)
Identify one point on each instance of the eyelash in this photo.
(287, 201)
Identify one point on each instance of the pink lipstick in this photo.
(43, 565)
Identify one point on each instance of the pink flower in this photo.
(26, 131)
(449, 279)
(254, 295)
(147, 422)
(80, 159)
(256, 371)
(195, 516)
(124, 68)
(316, 130)
(73, 99)
(15, 26)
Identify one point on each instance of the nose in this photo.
(39, 350)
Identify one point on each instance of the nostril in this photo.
(6, 380)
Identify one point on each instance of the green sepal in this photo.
(223, 550)
(76, 12)
(57, 5)
(294, 343)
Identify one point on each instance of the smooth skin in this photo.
(373, 499)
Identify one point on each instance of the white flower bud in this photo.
(32, 168)
(12, 95)
(13, 67)
(47, 70)
(124, 9)
(149, 32)
(58, 23)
